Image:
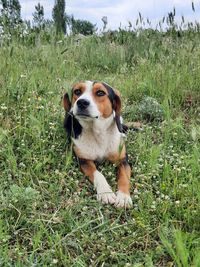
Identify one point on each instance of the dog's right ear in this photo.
(71, 124)
(66, 102)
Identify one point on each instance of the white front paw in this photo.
(106, 197)
(104, 191)
(123, 200)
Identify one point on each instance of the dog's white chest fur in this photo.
(98, 139)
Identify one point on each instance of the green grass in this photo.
(49, 215)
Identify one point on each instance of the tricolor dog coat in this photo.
(94, 125)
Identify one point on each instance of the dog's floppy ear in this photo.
(115, 99)
(117, 108)
(71, 124)
(66, 102)
(117, 102)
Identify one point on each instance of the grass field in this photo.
(49, 215)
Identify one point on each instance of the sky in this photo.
(118, 12)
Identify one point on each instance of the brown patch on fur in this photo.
(117, 105)
(66, 102)
(116, 157)
(78, 152)
(88, 168)
(123, 175)
(81, 86)
(103, 102)
(117, 102)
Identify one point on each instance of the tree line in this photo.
(11, 20)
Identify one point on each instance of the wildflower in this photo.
(55, 261)
(136, 191)
(22, 165)
(3, 107)
(57, 172)
(183, 185)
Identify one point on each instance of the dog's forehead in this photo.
(88, 86)
(92, 85)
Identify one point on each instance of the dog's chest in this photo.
(98, 145)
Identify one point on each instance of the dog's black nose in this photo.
(83, 103)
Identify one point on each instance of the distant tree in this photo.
(59, 16)
(10, 13)
(38, 16)
(82, 26)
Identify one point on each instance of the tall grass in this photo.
(49, 215)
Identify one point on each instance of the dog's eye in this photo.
(100, 93)
(77, 92)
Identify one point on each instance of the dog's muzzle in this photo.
(82, 108)
(83, 104)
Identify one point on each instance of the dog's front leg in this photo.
(123, 184)
(104, 191)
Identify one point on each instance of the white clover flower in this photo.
(3, 107)
(184, 185)
(22, 165)
(55, 261)
(136, 191)
(57, 172)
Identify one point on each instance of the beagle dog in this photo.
(94, 124)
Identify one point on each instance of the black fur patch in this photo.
(82, 161)
(125, 160)
(124, 128)
(72, 126)
(118, 122)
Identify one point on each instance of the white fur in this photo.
(98, 139)
(104, 191)
(123, 200)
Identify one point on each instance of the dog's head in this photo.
(92, 101)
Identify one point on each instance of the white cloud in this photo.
(185, 2)
(28, 8)
(116, 10)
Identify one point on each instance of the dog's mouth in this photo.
(83, 115)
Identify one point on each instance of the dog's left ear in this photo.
(66, 102)
(117, 108)
(117, 102)
(115, 99)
